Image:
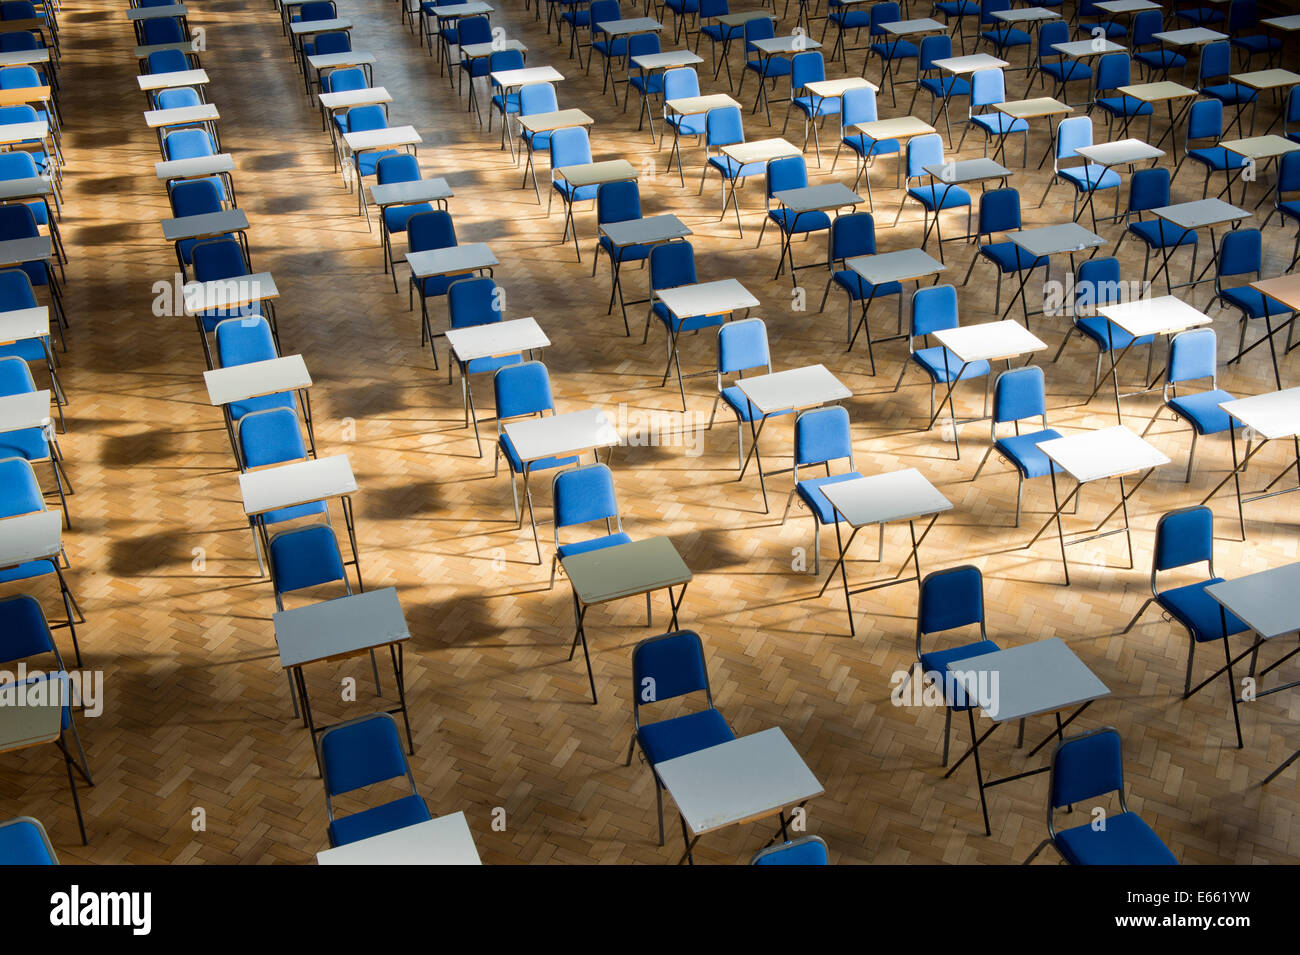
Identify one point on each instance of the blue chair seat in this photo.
(368, 162)
(850, 19)
(999, 124)
(510, 104)
(283, 399)
(688, 324)
(937, 662)
(1126, 840)
(1090, 176)
(1122, 106)
(814, 106)
(951, 197)
(773, 66)
(23, 845)
(1009, 257)
(29, 350)
(480, 366)
(1258, 43)
(958, 8)
(29, 443)
(1158, 234)
(1217, 158)
(810, 492)
(396, 217)
(735, 400)
(186, 247)
(1105, 333)
(596, 543)
(865, 146)
(799, 223)
(668, 739)
(946, 86)
(1253, 303)
(606, 48)
(542, 464)
(1291, 208)
(435, 285)
(651, 85)
(574, 193)
(688, 125)
(859, 288)
(1007, 37)
(628, 253)
(294, 513)
(25, 571)
(397, 814)
(1203, 412)
(1196, 610)
(1022, 451)
(734, 170)
(1113, 29)
(1229, 93)
(895, 50)
(718, 32)
(1067, 70)
(1162, 60)
(932, 361)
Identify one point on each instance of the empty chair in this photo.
(821, 436)
(23, 841)
(723, 127)
(1243, 28)
(935, 308)
(1098, 283)
(522, 391)
(941, 86)
(742, 346)
(192, 142)
(361, 753)
(582, 496)
(274, 436)
(607, 47)
(535, 98)
(934, 197)
(570, 147)
(859, 106)
(1193, 357)
(1292, 114)
(1113, 71)
(999, 215)
(806, 850)
(987, 88)
(789, 172)
(1019, 394)
(1084, 768)
(35, 445)
(1205, 125)
(17, 222)
(681, 83)
(507, 104)
(618, 202)
(808, 67)
(1185, 537)
(425, 231)
(1001, 34)
(402, 167)
(1110, 27)
(889, 49)
(305, 557)
(16, 293)
(852, 235)
(1149, 51)
(470, 302)
(764, 68)
(1288, 183)
(673, 265)
(648, 84)
(1149, 189)
(194, 197)
(1241, 253)
(365, 164)
(674, 665)
(215, 260)
(1055, 65)
(1086, 177)
(1216, 65)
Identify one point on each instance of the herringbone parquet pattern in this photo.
(197, 715)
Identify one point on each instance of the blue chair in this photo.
(1098, 283)
(935, 308)
(618, 202)
(470, 302)
(217, 259)
(852, 235)
(1000, 214)
(23, 841)
(859, 106)
(808, 850)
(718, 33)
(1292, 114)
(243, 340)
(1149, 189)
(1113, 71)
(365, 164)
(25, 633)
(305, 557)
(790, 172)
(647, 84)
(569, 147)
(846, 17)
(361, 753)
(1087, 178)
(1020, 394)
(402, 167)
(469, 31)
(49, 163)
(35, 445)
(671, 265)
(934, 197)
(673, 664)
(1149, 51)
(989, 87)
(610, 48)
(1185, 537)
(1084, 768)
(1216, 64)
(808, 67)
(681, 83)
(584, 495)
(1001, 34)
(951, 599)
(764, 68)
(889, 49)
(272, 436)
(1288, 183)
(57, 687)
(1243, 28)
(684, 12)
(1205, 124)
(821, 436)
(425, 231)
(194, 197)
(742, 346)
(167, 61)
(1193, 357)
(723, 127)
(1112, 28)
(16, 293)
(17, 222)
(1241, 253)
(522, 390)
(940, 85)
(1199, 16)
(507, 104)
(1055, 65)
(535, 98)
(191, 143)
(958, 10)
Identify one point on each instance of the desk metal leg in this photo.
(754, 434)
(580, 636)
(1232, 683)
(532, 518)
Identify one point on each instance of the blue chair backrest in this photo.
(349, 78)
(1098, 281)
(1242, 15)
(950, 599)
(17, 221)
(604, 11)
(1193, 355)
(760, 28)
(473, 301)
(1183, 537)
(22, 113)
(713, 8)
(852, 234)
(1216, 61)
(271, 436)
(788, 172)
(1205, 121)
(218, 259)
(188, 143)
(17, 165)
(681, 82)
(194, 197)
(990, 7)
(332, 43)
(23, 842)
(19, 491)
(1072, 133)
(178, 97)
(806, 67)
(923, 151)
(934, 308)
(503, 60)
(672, 264)
(882, 13)
(1019, 393)
(317, 10)
(15, 377)
(16, 290)
(356, 755)
(1293, 105)
(675, 664)
(305, 557)
(537, 98)
(570, 147)
(741, 345)
(618, 201)
(24, 632)
(473, 30)
(522, 389)
(1240, 252)
(858, 106)
(1113, 70)
(808, 850)
(1085, 767)
(642, 44)
(1146, 25)
(1149, 189)
(987, 87)
(1053, 31)
(167, 61)
(1288, 173)
(936, 47)
(361, 118)
(162, 31)
(723, 127)
(822, 435)
(243, 340)
(999, 211)
(18, 78)
(584, 494)
(430, 230)
(402, 167)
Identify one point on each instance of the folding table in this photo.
(623, 570)
(615, 30)
(989, 342)
(951, 174)
(482, 51)
(300, 30)
(393, 194)
(1027, 109)
(830, 197)
(334, 61)
(755, 152)
(491, 340)
(956, 66)
(336, 630)
(1274, 416)
(332, 103)
(467, 259)
(1191, 217)
(156, 82)
(547, 123)
(376, 140)
(768, 48)
(1285, 290)
(691, 106)
(706, 299)
(900, 31)
(901, 128)
(257, 379)
(208, 225)
(587, 174)
(301, 482)
(1045, 242)
(648, 63)
(821, 90)
(205, 116)
(906, 265)
(646, 231)
(1262, 81)
(198, 167)
(1084, 50)
(1165, 92)
(507, 80)
(742, 780)
(1257, 151)
(571, 434)
(442, 841)
(445, 15)
(736, 22)
(1014, 684)
(1124, 152)
(1026, 17)
(1113, 452)
(796, 389)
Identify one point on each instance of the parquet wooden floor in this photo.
(197, 715)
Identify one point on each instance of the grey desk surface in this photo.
(625, 570)
(28, 187)
(401, 193)
(335, 628)
(1201, 213)
(812, 198)
(902, 266)
(1056, 239)
(1266, 602)
(967, 170)
(204, 225)
(1041, 677)
(1120, 153)
(451, 260)
(645, 231)
(880, 498)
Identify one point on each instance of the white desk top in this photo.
(1261, 147)
(793, 389)
(1035, 108)
(647, 230)
(953, 173)
(1104, 453)
(177, 115)
(496, 338)
(451, 260)
(561, 435)
(308, 27)
(559, 119)
(476, 51)
(597, 173)
(706, 298)
(326, 61)
(666, 60)
(1163, 315)
(370, 96)
(1155, 92)
(900, 127)
(228, 293)
(1081, 49)
(1122, 152)
(457, 10)
(760, 150)
(16, 251)
(1193, 36)
(630, 25)
(1265, 602)
(194, 167)
(442, 841)
(335, 628)
(26, 57)
(1287, 24)
(881, 498)
(30, 409)
(385, 138)
(403, 193)
(150, 82)
(1040, 677)
(23, 323)
(901, 28)
(785, 44)
(957, 65)
(270, 489)
(838, 87)
(694, 105)
(24, 132)
(1273, 415)
(526, 75)
(1126, 6)
(747, 778)
(30, 537)
(28, 187)
(1026, 14)
(988, 341)
(1056, 239)
(1200, 213)
(903, 266)
(1266, 79)
(254, 379)
(167, 12)
(204, 224)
